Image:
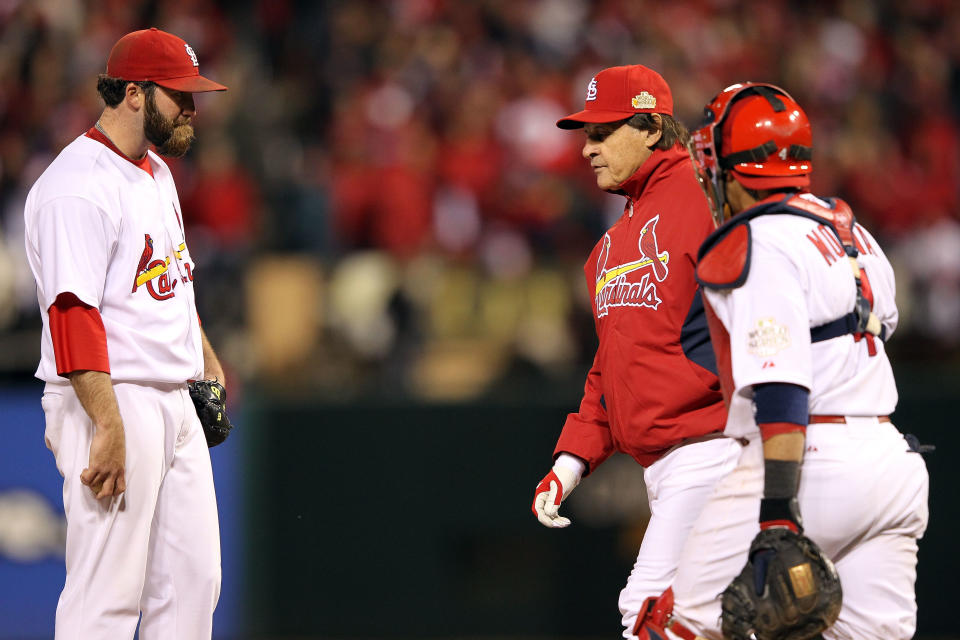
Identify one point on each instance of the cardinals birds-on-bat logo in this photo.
(649, 250)
(144, 261)
(618, 286)
(149, 270)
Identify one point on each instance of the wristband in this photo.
(780, 512)
(781, 478)
(571, 462)
(779, 507)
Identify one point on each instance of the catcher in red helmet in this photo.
(800, 301)
(763, 142)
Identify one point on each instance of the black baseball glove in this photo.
(788, 590)
(210, 399)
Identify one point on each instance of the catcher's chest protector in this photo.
(723, 261)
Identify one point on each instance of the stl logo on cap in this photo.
(644, 100)
(192, 54)
(160, 57)
(592, 90)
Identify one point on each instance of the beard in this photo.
(172, 138)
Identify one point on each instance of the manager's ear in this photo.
(655, 136)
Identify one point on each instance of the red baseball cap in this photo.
(159, 57)
(620, 92)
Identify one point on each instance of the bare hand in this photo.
(108, 451)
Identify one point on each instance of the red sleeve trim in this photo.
(770, 429)
(79, 338)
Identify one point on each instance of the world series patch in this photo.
(768, 338)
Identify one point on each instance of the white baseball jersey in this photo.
(800, 278)
(93, 212)
(863, 491)
(108, 231)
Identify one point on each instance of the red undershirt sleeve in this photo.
(770, 429)
(79, 338)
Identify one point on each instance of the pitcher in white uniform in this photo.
(800, 300)
(121, 337)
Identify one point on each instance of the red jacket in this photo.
(653, 382)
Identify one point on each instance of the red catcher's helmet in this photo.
(764, 139)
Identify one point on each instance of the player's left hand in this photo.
(788, 590)
(551, 491)
(210, 400)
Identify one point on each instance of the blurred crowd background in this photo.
(382, 205)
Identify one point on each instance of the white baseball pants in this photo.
(678, 485)
(155, 550)
(863, 500)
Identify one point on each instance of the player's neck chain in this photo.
(105, 135)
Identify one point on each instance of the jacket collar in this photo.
(659, 162)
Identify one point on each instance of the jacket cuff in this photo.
(589, 441)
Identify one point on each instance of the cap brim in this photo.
(191, 84)
(771, 182)
(580, 118)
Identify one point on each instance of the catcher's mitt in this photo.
(788, 590)
(210, 399)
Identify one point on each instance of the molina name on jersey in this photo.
(791, 276)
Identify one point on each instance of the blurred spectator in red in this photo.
(223, 198)
(382, 173)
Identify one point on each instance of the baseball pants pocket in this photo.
(52, 403)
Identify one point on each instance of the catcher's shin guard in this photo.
(653, 613)
(656, 616)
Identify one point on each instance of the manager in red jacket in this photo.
(652, 391)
